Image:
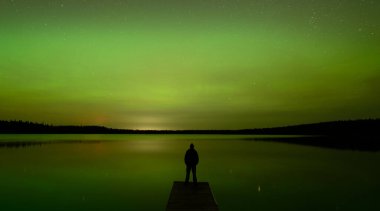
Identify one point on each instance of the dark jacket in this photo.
(191, 157)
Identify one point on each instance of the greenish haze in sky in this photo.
(210, 64)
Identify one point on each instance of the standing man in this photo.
(191, 160)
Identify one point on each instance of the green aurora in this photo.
(200, 64)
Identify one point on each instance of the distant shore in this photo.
(352, 134)
(347, 128)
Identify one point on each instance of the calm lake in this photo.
(136, 172)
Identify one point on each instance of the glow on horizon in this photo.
(197, 65)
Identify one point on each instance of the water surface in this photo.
(135, 172)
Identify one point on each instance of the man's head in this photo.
(191, 146)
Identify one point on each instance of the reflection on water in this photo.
(22, 144)
(146, 146)
(132, 172)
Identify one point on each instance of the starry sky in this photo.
(199, 64)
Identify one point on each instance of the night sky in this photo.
(196, 64)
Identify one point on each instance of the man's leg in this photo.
(194, 170)
(187, 174)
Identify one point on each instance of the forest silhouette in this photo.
(350, 134)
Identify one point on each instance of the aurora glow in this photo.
(200, 64)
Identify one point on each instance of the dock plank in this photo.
(190, 197)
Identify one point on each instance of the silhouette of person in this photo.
(191, 160)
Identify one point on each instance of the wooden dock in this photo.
(190, 197)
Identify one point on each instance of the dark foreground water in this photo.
(135, 172)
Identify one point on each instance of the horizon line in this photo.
(182, 130)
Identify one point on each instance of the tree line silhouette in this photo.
(351, 134)
(349, 127)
